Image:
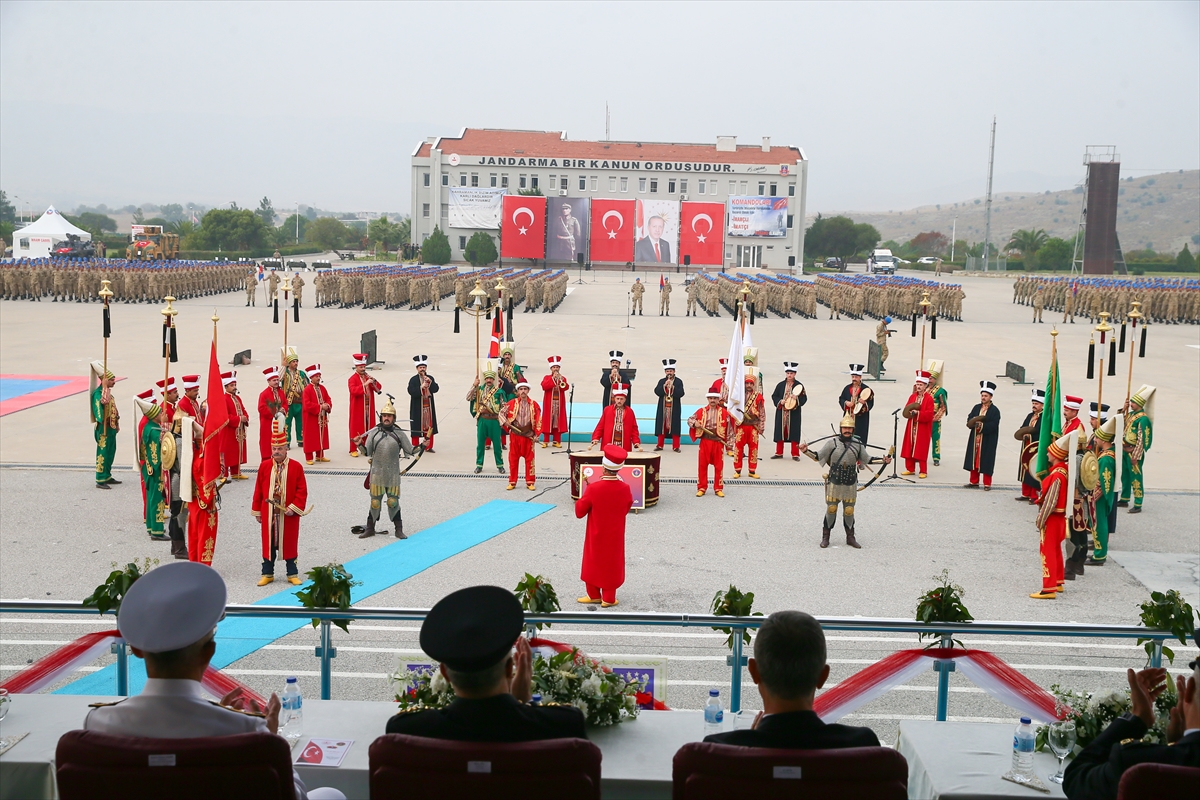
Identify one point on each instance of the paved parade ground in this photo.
(59, 535)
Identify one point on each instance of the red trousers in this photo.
(1052, 557)
(520, 447)
(416, 440)
(795, 449)
(674, 441)
(605, 595)
(557, 436)
(747, 437)
(987, 479)
(911, 466)
(1029, 492)
(712, 453)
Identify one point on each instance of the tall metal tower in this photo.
(987, 203)
(1104, 197)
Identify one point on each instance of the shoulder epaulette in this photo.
(106, 705)
(413, 710)
(552, 704)
(258, 714)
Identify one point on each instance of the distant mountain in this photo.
(1160, 212)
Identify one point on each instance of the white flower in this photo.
(582, 705)
(591, 686)
(438, 683)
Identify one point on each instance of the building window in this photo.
(462, 243)
(791, 217)
(744, 185)
(791, 190)
(474, 178)
(702, 186)
(654, 184)
(563, 183)
(624, 184)
(641, 184)
(504, 181)
(612, 183)
(425, 177)
(445, 210)
(521, 182)
(762, 188)
(533, 181)
(772, 190)
(553, 182)
(683, 185)
(582, 183)
(462, 179)
(594, 182)
(492, 182)
(445, 179)
(425, 209)
(733, 187)
(671, 187)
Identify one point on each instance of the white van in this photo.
(883, 261)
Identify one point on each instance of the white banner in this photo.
(476, 208)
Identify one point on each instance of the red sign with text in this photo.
(523, 227)
(612, 230)
(702, 233)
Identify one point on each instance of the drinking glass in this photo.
(4, 702)
(1061, 738)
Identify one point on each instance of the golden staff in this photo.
(168, 325)
(105, 294)
(1134, 315)
(924, 304)
(1103, 329)
(286, 288)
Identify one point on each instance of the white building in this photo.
(651, 171)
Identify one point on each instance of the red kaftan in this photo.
(363, 389)
(605, 503)
(293, 497)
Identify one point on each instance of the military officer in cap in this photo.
(471, 633)
(383, 446)
(169, 619)
(636, 291)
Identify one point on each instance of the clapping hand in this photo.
(521, 685)
(1144, 686)
(238, 701)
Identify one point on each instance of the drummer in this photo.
(849, 402)
(617, 424)
(788, 397)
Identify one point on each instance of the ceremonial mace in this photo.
(924, 313)
(476, 309)
(287, 287)
(1103, 329)
(105, 293)
(170, 352)
(1134, 315)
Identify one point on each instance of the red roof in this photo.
(550, 144)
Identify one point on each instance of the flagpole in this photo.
(105, 294)
(1134, 315)
(1103, 329)
(286, 288)
(924, 304)
(168, 326)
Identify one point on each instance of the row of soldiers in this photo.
(420, 286)
(882, 296)
(1164, 300)
(535, 289)
(79, 279)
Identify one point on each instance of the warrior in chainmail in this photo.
(845, 455)
(383, 445)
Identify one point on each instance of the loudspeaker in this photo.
(687, 260)
(791, 261)
(241, 359)
(579, 259)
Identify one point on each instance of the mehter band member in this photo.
(107, 422)
(280, 495)
(850, 401)
(788, 398)
(1052, 518)
(554, 403)
(1139, 435)
(984, 425)
(1027, 435)
(670, 410)
(422, 411)
(713, 426)
(750, 429)
(363, 389)
(522, 419)
(919, 411)
(235, 434)
(618, 424)
(270, 403)
(605, 503)
(844, 455)
(316, 404)
(485, 403)
(616, 377)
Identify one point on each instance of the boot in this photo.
(1069, 570)
(398, 521)
(851, 541)
(824, 537)
(178, 549)
(370, 531)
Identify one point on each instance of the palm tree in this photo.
(1028, 242)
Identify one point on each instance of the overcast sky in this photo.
(322, 103)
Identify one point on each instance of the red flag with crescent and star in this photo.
(702, 233)
(612, 230)
(523, 227)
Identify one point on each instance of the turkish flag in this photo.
(216, 420)
(523, 227)
(612, 230)
(702, 233)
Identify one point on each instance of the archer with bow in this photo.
(844, 454)
(384, 445)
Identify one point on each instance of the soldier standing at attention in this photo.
(636, 291)
(664, 297)
(251, 287)
(297, 287)
(881, 338)
(693, 293)
(1039, 302)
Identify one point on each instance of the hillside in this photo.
(1160, 211)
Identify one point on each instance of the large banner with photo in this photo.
(758, 216)
(566, 228)
(472, 207)
(657, 232)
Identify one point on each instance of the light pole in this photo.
(953, 236)
(297, 222)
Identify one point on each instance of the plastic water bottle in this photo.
(1023, 741)
(714, 715)
(291, 713)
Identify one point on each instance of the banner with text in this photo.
(657, 231)
(471, 207)
(752, 215)
(523, 227)
(612, 230)
(567, 228)
(701, 233)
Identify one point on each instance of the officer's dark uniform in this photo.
(1096, 772)
(797, 730)
(471, 630)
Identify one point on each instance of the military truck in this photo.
(151, 243)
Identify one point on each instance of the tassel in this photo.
(914, 325)
(752, 313)
(275, 303)
(1091, 373)
(488, 315)
(107, 324)
(933, 328)
(1142, 346)
(166, 341)
(456, 310)
(1122, 336)
(1112, 357)
(174, 348)
(295, 310)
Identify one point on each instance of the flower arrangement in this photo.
(734, 603)
(108, 595)
(1093, 711)
(537, 596)
(329, 588)
(570, 678)
(942, 603)
(1170, 612)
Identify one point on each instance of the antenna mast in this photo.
(987, 203)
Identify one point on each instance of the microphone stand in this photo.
(570, 421)
(628, 309)
(896, 457)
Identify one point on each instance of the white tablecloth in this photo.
(951, 760)
(637, 755)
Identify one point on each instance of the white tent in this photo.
(39, 239)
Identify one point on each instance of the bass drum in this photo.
(1087, 468)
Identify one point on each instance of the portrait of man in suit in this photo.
(653, 248)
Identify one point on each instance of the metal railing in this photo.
(326, 652)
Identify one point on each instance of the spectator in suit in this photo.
(652, 248)
(1096, 772)
(788, 667)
